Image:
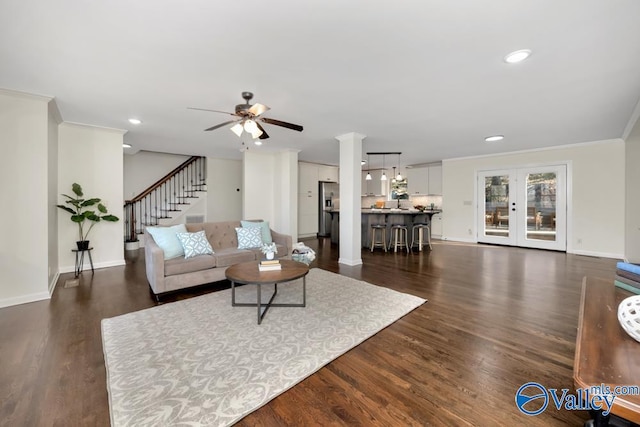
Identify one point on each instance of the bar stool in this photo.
(381, 230)
(420, 228)
(399, 237)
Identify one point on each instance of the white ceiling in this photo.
(426, 77)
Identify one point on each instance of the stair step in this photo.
(160, 217)
(170, 210)
(178, 203)
(198, 185)
(186, 197)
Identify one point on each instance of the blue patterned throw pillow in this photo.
(249, 238)
(264, 229)
(195, 244)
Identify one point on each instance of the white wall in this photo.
(92, 157)
(23, 173)
(632, 182)
(143, 169)
(258, 176)
(224, 190)
(286, 194)
(53, 122)
(266, 181)
(597, 196)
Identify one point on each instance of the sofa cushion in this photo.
(167, 239)
(263, 226)
(195, 244)
(227, 257)
(249, 237)
(183, 265)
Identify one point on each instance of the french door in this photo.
(523, 207)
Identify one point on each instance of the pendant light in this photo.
(393, 177)
(399, 176)
(384, 176)
(368, 177)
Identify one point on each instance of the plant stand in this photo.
(80, 260)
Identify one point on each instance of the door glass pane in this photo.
(496, 206)
(541, 206)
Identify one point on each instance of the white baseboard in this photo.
(24, 299)
(97, 265)
(351, 262)
(52, 284)
(596, 254)
(459, 239)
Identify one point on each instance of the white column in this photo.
(350, 192)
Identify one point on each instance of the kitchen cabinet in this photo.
(328, 173)
(307, 199)
(375, 187)
(425, 180)
(307, 177)
(436, 226)
(435, 179)
(418, 180)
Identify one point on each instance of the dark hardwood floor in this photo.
(497, 318)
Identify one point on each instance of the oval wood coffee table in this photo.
(248, 273)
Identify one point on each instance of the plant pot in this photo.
(83, 245)
(270, 255)
(132, 246)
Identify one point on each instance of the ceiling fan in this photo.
(249, 116)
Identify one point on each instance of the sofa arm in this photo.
(154, 264)
(284, 240)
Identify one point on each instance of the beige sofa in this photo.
(178, 273)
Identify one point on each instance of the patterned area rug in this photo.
(201, 362)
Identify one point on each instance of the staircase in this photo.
(169, 196)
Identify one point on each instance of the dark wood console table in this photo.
(605, 354)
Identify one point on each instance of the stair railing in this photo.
(166, 195)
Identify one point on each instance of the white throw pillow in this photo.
(195, 244)
(167, 239)
(249, 238)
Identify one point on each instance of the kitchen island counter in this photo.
(391, 217)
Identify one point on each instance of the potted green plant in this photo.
(82, 210)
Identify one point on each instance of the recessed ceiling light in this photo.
(125, 145)
(135, 121)
(494, 138)
(517, 56)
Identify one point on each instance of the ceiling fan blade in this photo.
(264, 134)
(213, 111)
(281, 123)
(257, 109)
(220, 125)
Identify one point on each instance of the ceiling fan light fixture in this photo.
(256, 134)
(250, 126)
(237, 129)
(257, 142)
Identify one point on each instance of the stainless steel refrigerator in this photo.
(328, 193)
